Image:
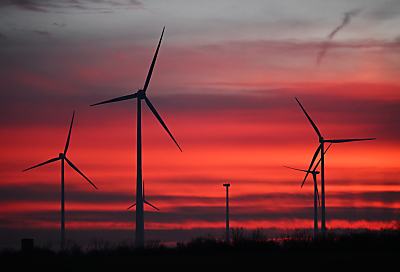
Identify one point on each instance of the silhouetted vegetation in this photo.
(350, 250)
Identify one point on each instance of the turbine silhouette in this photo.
(141, 94)
(63, 157)
(322, 141)
(144, 200)
(316, 194)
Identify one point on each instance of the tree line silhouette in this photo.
(350, 250)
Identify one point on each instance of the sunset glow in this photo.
(225, 84)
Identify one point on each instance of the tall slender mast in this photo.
(314, 175)
(227, 212)
(139, 239)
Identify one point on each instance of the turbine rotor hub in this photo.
(141, 94)
(61, 155)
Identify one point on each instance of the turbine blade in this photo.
(312, 162)
(295, 168)
(150, 205)
(69, 135)
(77, 170)
(121, 98)
(131, 206)
(320, 159)
(309, 119)
(160, 120)
(43, 163)
(349, 140)
(146, 84)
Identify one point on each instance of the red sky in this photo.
(228, 100)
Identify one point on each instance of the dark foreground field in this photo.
(349, 261)
(367, 251)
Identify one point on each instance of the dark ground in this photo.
(348, 261)
(367, 251)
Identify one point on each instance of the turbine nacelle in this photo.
(141, 94)
(61, 156)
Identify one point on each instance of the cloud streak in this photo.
(326, 45)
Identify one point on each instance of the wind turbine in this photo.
(63, 157)
(322, 141)
(141, 94)
(316, 194)
(144, 201)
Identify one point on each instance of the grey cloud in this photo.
(30, 5)
(60, 25)
(118, 3)
(48, 6)
(42, 33)
(388, 10)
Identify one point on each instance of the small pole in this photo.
(227, 212)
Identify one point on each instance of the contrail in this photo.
(346, 20)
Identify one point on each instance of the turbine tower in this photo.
(141, 95)
(316, 194)
(63, 157)
(320, 147)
